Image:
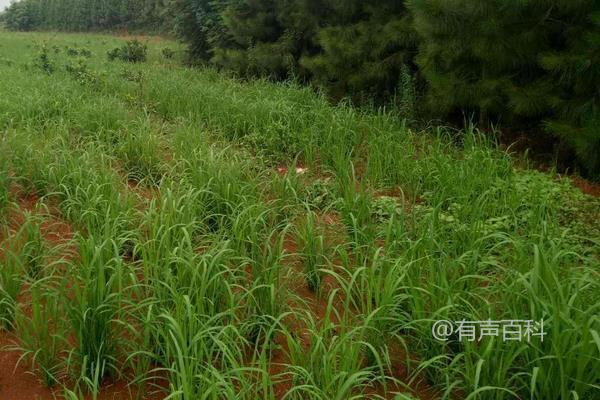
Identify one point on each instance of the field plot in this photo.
(175, 233)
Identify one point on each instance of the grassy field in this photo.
(187, 235)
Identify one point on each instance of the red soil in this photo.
(587, 187)
(18, 383)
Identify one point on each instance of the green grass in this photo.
(192, 253)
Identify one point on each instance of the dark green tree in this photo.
(255, 40)
(363, 48)
(198, 23)
(515, 62)
(22, 16)
(574, 71)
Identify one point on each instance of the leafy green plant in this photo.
(320, 194)
(385, 208)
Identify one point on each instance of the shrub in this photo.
(43, 61)
(132, 51)
(82, 74)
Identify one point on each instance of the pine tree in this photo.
(574, 71)
(516, 63)
(198, 23)
(256, 42)
(364, 47)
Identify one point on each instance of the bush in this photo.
(42, 60)
(80, 71)
(132, 51)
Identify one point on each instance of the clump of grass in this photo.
(331, 365)
(264, 299)
(34, 249)
(92, 304)
(311, 247)
(141, 154)
(42, 334)
(11, 282)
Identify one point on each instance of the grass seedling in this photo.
(311, 245)
(34, 248)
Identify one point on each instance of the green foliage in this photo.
(258, 42)
(199, 24)
(21, 16)
(311, 245)
(4, 186)
(34, 249)
(93, 307)
(319, 194)
(384, 208)
(41, 342)
(132, 51)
